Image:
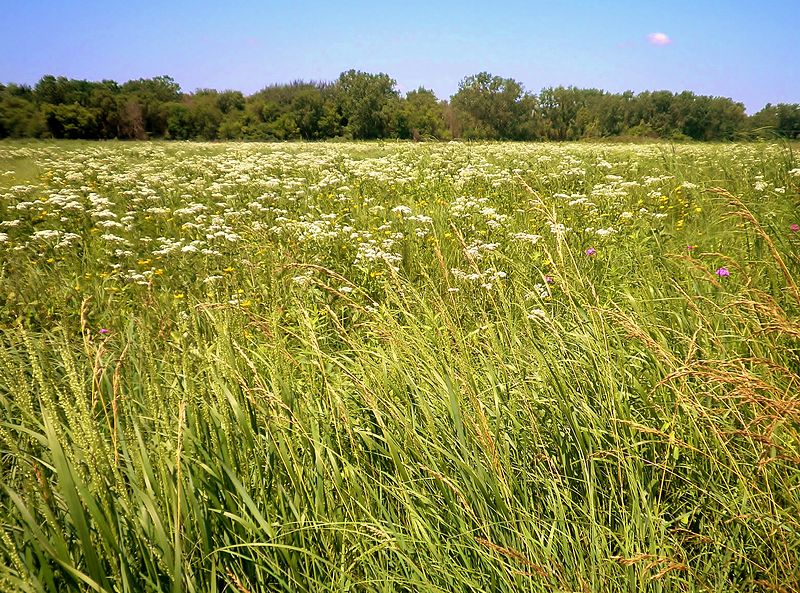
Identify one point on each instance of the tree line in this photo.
(361, 105)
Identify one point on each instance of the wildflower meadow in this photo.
(376, 367)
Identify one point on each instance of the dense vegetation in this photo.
(359, 105)
(383, 367)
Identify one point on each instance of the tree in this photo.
(365, 102)
(494, 108)
(19, 115)
(131, 119)
(152, 95)
(70, 121)
(363, 105)
(421, 116)
(312, 115)
(788, 119)
(103, 100)
(230, 101)
(179, 122)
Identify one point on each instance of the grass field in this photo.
(399, 367)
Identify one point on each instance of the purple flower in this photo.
(104, 330)
(691, 247)
(723, 272)
(591, 251)
(549, 279)
(795, 227)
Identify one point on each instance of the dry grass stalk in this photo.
(744, 213)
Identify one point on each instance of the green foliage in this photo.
(197, 117)
(19, 117)
(70, 121)
(420, 116)
(781, 120)
(366, 102)
(494, 108)
(314, 114)
(361, 105)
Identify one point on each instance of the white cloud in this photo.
(659, 39)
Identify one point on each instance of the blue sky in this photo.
(743, 49)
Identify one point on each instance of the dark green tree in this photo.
(788, 119)
(152, 95)
(494, 107)
(363, 105)
(365, 102)
(70, 121)
(20, 117)
(421, 116)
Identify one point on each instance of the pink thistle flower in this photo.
(104, 331)
(549, 279)
(591, 251)
(723, 272)
(794, 227)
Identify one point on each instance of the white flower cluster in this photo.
(486, 278)
(526, 238)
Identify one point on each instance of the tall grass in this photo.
(640, 435)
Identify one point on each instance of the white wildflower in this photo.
(605, 232)
(537, 315)
(526, 238)
(46, 234)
